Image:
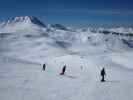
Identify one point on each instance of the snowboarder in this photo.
(63, 70)
(103, 75)
(44, 67)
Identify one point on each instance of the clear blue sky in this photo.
(99, 12)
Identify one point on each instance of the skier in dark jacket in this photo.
(103, 75)
(63, 70)
(44, 67)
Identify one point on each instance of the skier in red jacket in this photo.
(63, 70)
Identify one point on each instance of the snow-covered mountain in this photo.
(28, 24)
(22, 20)
(22, 24)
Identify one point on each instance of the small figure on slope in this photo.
(44, 67)
(103, 73)
(63, 70)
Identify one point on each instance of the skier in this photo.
(63, 70)
(44, 67)
(103, 75)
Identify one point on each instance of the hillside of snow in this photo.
(26, 44)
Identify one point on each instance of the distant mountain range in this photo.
(67, 37)
(33, 24)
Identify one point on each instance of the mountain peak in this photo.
(23, 19)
